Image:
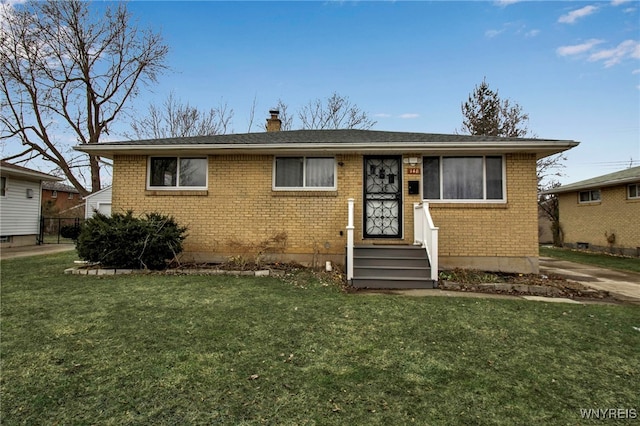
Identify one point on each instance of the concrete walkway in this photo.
(625, 285)
(10, 253)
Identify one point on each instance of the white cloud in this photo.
(619, 2)
(409, 115)
(611, 57)
(576, 49)
(636, 71)
(531, 33)
(505, 3)
(574, 15)
(493, 33)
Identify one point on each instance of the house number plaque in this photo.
(413, 171)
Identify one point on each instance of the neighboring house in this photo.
(20, 201)
(286, 194)
(99, 201)
(602, 213)
(61, 200)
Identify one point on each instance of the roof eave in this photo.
(30, 175)
(541, 149)
(594, 185)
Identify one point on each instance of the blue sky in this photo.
(573, 66)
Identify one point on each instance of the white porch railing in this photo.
(350, 228)
(425, 234)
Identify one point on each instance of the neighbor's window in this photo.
(304, 173)
(177, 172)
(54, 194)
(71, 195)
(3, 186)
(589, 196)
(633, 191)
(463, 178)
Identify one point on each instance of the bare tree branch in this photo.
(336, 112)
(178, 119)
(68, 71)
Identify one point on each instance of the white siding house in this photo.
(20, 199)
(99, 201)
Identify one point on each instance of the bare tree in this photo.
(68, 73)
(177, 119)
(285, 118)
(336, 112)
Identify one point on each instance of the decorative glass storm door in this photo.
(382, 197)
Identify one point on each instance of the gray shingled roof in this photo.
(622, 177)
(334, 141)
(320, 136)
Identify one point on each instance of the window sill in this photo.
(445, 205)
(312, 194)
(176, 193)
(589, 203)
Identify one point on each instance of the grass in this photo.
(158, 349)
(596, 259)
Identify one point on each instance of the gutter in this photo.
(541, 149)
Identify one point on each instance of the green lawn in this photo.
(161, 349)
(596, 259)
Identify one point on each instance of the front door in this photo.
(382, 197)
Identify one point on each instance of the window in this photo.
(463, 178)
(54, 194)
(304, 173)
(3, 186)
(177, 172)
(633, 191)
(71, 195)
(589, 196)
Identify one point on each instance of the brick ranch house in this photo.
(303, 195)
(602, 213)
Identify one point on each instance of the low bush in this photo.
(125, 241)
(70, 231)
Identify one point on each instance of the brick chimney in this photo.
(274, 123)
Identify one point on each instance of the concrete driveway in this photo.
(625, 285)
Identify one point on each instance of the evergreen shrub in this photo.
(125, 241)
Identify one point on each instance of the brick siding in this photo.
(240, 212)
(592, 222)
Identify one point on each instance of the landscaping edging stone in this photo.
(108, 271)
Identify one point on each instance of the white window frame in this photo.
(4, 184)
(637, 197)
(502, 200)
(304, 175)
(591, 199)
(54, 194)
(177, 186)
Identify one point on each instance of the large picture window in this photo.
(304, 173)
(177, 172)
(463, 178)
